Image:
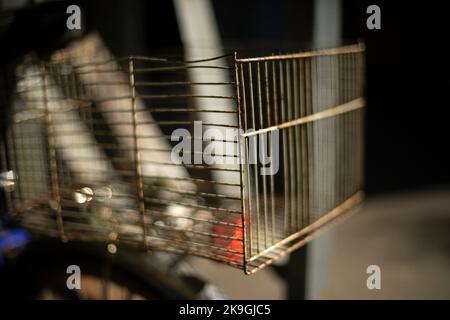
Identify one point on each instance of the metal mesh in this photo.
(92, 145)
(313, 101)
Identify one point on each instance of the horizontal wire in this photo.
(144, 58)
(195, 193)
(176, 83)
(40, 112)
(182, 243)
(114, 98)
(358, 48)
(138, 58)
(118, 147)
(196, 180)
(343, 108)
(191, 205)
(158, 187)
(131, 174)
(30, 89)
(203, 233)
(215, 222)
(68, 224)
(125, 160)
(161, 123)
(160, 137)
(185, 67)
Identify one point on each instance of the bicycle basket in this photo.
(240, 160)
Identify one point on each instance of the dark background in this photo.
(407, 114)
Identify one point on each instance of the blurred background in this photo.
(404, 225)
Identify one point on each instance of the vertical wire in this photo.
(18, 138)
(341, 131)
(4, 162)
(314, 136)
(338, 129)
(23, 160)
(357, 123)
(270, 143)
(324, 132)
(328, 170)
(289, 93)
(361, 132)
(297, 142)
(262, 151)
(320, 134)
(52, 155)
(275, 115)
(284, 136)
(255, 153)
(344, 133)
(10, 136)
(350, 129)
(44, 163)
(303, 141)
(247, 166)
(321, 93)
(89, 112)
(354, 132)
(349, 126)
(240, 149)
(316, 139)
(76, 95)
(32, 164)
(309, 140)
(137, 157)
(346, 146)
(342, 127)
(332, 134)
(62, 83)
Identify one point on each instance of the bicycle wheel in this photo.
(40, 272)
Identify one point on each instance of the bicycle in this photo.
(102, 173)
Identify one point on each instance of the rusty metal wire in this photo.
(90, 143)
(315, 101)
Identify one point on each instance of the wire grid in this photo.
(91, 146)
(314, 102)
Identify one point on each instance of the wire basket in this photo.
(240, 160)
